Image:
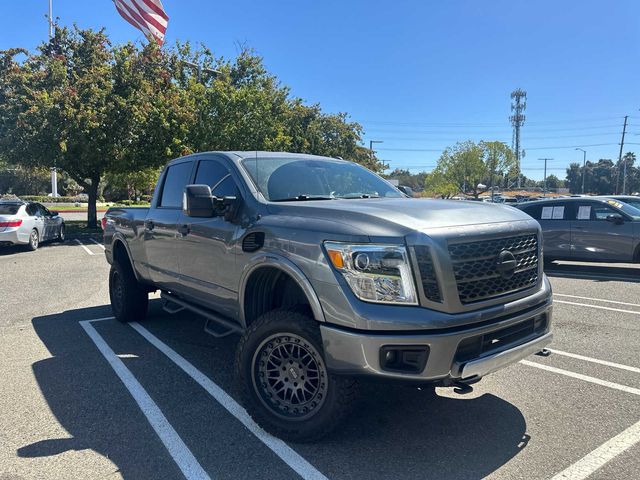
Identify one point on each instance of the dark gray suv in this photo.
(594, 229)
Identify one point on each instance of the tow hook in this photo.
(544, 353)
(462, 388)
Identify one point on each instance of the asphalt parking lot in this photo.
(86, 397)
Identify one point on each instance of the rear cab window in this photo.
(176, 178)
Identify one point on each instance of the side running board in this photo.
(216, 324)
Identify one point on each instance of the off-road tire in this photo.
(129, 300)
(339, 392)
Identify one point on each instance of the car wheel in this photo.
(284, 378)
(34, 240)
(61, 233)
(129, 301)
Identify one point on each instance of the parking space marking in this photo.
(85, 247)
(586, 378)
(180, 453)
(596, 299)
(279, 447)
(98, 243)
(599, 307)
(591, 462)
(595, 360)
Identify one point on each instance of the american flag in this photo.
(148, 16)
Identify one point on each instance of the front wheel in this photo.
(129, 301)
(61, 232)
(284, 378)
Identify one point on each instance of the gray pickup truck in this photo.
(329, 273)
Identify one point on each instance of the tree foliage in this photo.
(470, 168)
(93, 109)
(604, 177)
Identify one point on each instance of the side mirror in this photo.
(225, 206)
(615, 218)
(198, 201)
(54, 213)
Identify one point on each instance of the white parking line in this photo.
(85, 247)
(585, 378)
(169, 437)
(98, 243)
(594, 360)
(596, 299)
(280, 448)
(597, 307)
(601, 455)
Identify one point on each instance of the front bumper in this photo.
(355, 352)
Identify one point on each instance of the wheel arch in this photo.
(269, 275)
(120, 252)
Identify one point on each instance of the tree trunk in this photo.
(92, 214)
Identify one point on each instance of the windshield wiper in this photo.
(304, 197)
(359, 195)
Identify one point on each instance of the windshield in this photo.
(626, 207)
(287, 179)
(634, 202)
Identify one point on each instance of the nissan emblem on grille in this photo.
(506, 264)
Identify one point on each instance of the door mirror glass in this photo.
(615, 218)
(198, 201)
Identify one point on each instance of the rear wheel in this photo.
(34, 240)
(283, 375)
(129, 300)
(61, 233)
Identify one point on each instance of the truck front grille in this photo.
(475, 266)
(427, 274)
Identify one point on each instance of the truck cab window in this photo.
(210, 172)
(175, 180)
(226, 188)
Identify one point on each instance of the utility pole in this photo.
(200, 69)
(50, 19)
(584, 166)
(544, 191)
(517, 118)
(371, 142)
(624, 130)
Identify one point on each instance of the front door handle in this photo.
(184, 230)
(149, 225)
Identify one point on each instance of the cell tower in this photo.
(518, 106)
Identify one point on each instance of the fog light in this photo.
(404, 358)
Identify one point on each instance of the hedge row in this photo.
(45, 199)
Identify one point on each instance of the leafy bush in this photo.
(45, 199)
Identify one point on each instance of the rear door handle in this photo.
(184, 230)
(149, 225)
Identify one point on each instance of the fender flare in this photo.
(287, 266)
(119, 237)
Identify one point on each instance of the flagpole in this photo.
(50, 19)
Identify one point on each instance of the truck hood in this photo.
(399, 216)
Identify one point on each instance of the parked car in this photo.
(632, 200)
(29, 223)
(329, 273)
(593, 229)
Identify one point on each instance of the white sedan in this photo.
(28, 223)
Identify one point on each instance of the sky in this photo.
(419, 75)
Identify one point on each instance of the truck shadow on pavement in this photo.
(395, 431)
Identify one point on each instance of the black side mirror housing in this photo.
(615, 218)
(54, 213)
(408, 191)
(198, 201)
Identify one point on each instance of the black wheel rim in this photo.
(117, 292)
(289, 376)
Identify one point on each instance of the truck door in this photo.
(595, 239)
(161, 226)
(207, 245)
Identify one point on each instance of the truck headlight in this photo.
(375, 273)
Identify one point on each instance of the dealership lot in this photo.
(86, 397)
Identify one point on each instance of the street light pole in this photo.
(584, 166)
(371, 142)
(544, 192)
